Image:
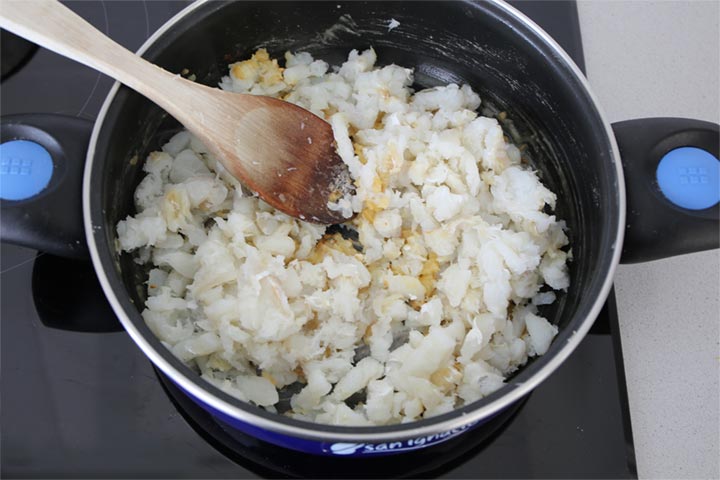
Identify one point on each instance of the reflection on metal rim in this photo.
(202, 391)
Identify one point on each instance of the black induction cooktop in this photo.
(80, 400)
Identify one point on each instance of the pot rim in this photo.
(321, 432)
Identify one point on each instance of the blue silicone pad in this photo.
(690, 178)
(25, 169)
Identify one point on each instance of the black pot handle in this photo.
(41, 206)
(671, 175)
(42, 157)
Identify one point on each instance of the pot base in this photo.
(268, 460)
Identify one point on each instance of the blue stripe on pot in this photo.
(346, 449)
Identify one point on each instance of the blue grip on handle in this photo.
(25, 169)
(690, 178)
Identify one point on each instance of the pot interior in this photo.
(483, 45)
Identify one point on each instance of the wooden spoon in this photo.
(279, 150)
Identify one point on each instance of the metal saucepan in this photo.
(516, 68)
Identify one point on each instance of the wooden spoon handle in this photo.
(55, 27)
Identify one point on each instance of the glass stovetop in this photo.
(88, 404)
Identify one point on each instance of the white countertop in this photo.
(648, 59)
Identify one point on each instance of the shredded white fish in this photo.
(453, 252)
